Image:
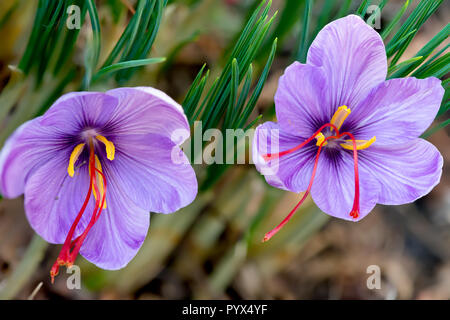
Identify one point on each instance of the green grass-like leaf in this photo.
(344, 9)
(361, 11)
(403, 64)
(286, 21)
(138, 37)
(94, 50)
(439, 68)
(302, 51)
(217, 102)
(258, 89)
(386, 32)
(435, 129)
(409, 29)
(425, 52)
(124, 65)
(421, 71)
(376, 14)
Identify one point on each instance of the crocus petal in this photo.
(405, 172)
(154, 171)
(291, 171)
(397, 111)
(53, 199)
(119, 232)
(298, 100)
(143, 110)
(28, 148)
(333, 188)
(78, 110)
(353, 59)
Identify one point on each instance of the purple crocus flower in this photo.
(343, 125)
(116, 146)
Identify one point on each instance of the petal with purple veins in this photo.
(53, 199)
(28, 148)
(397, 111)
(405, 172)
(291, 171)
(79, 110)
(146, 110)
(353, 58)
(154, 172)
(118, 233)
(298, 100)
(333, 189)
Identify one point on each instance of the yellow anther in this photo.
(320, 138)
(99, 180)
(360, 144)
(73, 158)
(339, 116)
(110, 148)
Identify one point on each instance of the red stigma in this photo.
(354, 213)
(271, 156)
(355, 209)
(71, 247)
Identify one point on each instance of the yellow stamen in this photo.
(110, 148)
(339, 116)
(320, 138)
(360, 144)
(99, 181)
(73, 158)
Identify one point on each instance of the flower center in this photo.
(97, 186)
(335, 138)
(88, 133)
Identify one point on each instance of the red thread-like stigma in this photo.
(355, 212)
(271, 156)
(71, 248)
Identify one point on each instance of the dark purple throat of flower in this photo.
(97, 186)
(322, 140)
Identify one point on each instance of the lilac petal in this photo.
(405, 172)
(397, 111)
(353, 59)
(143, 110)
(154, 172)
(78, 110)
(28, 148)
(333, 189)
(119, 232)
(53, 199)
(299, 99)
(290, 172)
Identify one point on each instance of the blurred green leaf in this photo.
(303, 50)
(377, 13)
(216, 104)
(96, 43)
(125, 65)
(137, 38)
(419, 72)
(409, 29)
(344, 9)
(361, 11)
(403, 64)
(394, 21)
(423, 53)
(435, 129)
(439, 68)
(287, 19)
